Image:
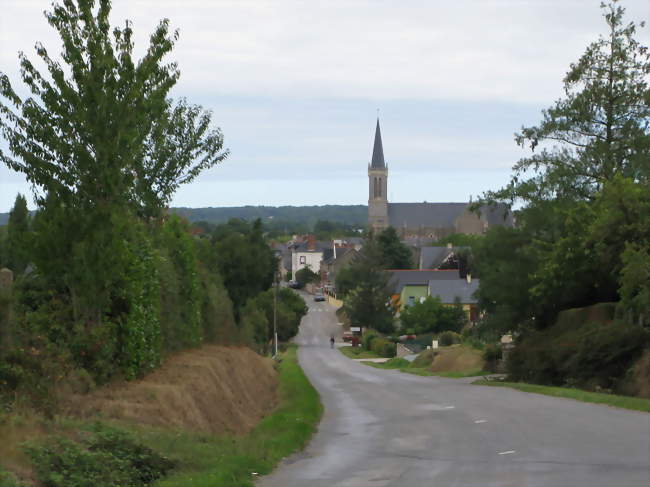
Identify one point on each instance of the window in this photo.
(411, 301)
(303, 259)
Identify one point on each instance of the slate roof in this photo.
(433, 257)
(442, 215)
(321, 246)
(433, 215)
(447, 291)
(378, 150)
(400, 278)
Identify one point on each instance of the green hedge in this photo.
(592, 355)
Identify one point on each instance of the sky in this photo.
(296, 87)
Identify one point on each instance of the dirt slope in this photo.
(213, 389)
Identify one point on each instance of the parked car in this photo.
(347, 336)
(319, 297)
(293, 284)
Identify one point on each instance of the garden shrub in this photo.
(447, 338)
(383, 347)
(368, 338)
(492, 354)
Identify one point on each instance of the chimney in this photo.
(469, 278)
(311, 242)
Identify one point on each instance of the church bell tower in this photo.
(377, 186)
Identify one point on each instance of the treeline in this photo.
(279, 215)
(106, 283)
(583, 233)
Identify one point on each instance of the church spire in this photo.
(378, 150)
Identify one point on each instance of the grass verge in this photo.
(407, 367)
(358, 352)
(236, 461)
(200, 460)
(625, 402)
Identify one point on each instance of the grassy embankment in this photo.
(405, 366)
(234, 461)
(625, 402)
(203, 459)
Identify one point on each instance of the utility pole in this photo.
(275, 314)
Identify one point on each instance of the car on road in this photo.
(294, 284)
(319, 297)
(347, 336)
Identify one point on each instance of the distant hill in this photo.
(350, 214)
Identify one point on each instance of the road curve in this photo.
(385, 428)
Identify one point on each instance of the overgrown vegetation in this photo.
(582, 230)
(106, 283)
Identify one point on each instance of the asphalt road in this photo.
(386, 428)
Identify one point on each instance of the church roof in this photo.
(433, 215)
(378, 151)
(442, 215)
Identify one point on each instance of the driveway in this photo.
(385, 428)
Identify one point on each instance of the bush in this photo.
(397, 363)
(492, 354)
(368, 338)
(447, 338)
(383, 347)
(592, 355)
(110, 458)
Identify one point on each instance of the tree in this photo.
(103, 142)
(394, 254)
(17, 244)
(305, 276)
(598, 130)
(431, 316)
(367, 303)
(102, 131)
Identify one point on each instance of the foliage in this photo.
(367, 303)
(108, 458)
(590, 354)
(383, 347)
(431, 316)
(600, 126)
(447, 338)
(393, 253)
(18, 237)
(291, 308)
(368, 338)
(244, 260)
(305, 276)
(183, 328)
(635, 284)
(492, 354)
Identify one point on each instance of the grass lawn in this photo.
(625, 402)
(207, 460)
(404, 366)
(357, 352)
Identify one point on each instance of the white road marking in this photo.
(506, 452)
(449, 407)
(479, 421)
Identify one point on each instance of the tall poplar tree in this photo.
(101, 138)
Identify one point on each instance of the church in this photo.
(426, 221)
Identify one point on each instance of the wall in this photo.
(312, 260)
(416, 291)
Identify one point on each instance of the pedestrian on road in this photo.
(332, 341)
